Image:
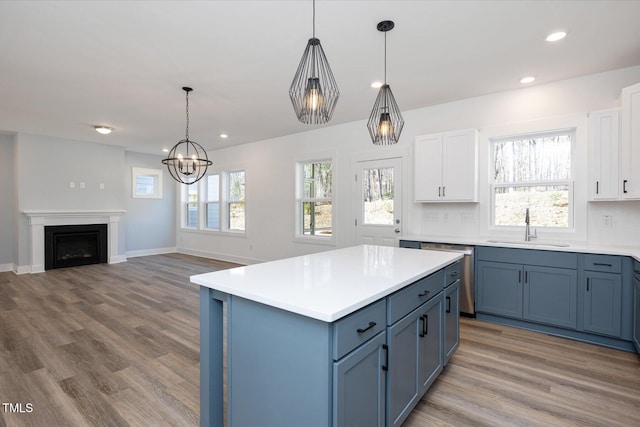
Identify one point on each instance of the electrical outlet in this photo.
(82, 185)
(607, 221)
(102, 186)
(72, 184)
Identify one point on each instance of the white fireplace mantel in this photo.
(38, 219)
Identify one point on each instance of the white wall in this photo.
(270, 164)
(7, 205)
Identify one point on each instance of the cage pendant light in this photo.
(314, 92)
(187, 161)
(385, 123)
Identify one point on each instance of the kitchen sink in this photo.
(532, 243)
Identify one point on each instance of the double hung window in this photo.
(533, 171)
(315, 199)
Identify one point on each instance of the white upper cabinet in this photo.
(630, 145)
(446, 167)
(604, 140)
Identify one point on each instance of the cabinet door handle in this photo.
(624, 186)
(587, 284)
(439, 191)
(421, 333)
(426, 324)
(385, 348)
(443, 191)
(526, 276)
(603, 264)
(519, 276)
(448, 305)
(362, 331)
(424, 294)
(597, 187)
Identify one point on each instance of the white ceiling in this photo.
(68, 65)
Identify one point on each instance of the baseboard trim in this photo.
(219, 256)
(148, 252)
(7, 267)
(117, 259)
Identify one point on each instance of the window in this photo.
(212, 202)
(533, 171)
(236, 203)
(215, 203)
(146, 183)
(315, 199)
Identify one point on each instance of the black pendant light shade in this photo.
(385, 123)
(187, 161)
(314, 92)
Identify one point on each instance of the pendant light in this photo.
(314, 92)
(187, 161)
(385, 123)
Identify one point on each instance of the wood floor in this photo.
(117, 345)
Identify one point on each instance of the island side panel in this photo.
(211, 358)
(280, 367)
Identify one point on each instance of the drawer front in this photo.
(452, 273)
(358, 328)
(405, 300)
(605, 263)
(542, 258)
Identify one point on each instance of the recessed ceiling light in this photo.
(104, 130)
(224, 136)
(528, 79)
(558, 35)
(165, 150)
(377, 84)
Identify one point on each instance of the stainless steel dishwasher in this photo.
(467, 299)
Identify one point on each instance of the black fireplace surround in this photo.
(74, 245)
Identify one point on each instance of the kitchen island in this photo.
(325, 339)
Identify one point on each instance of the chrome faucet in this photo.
(527, 235)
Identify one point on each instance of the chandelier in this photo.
(187, 161)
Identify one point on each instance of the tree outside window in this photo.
(533, 171)
(316, 202)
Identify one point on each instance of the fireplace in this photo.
(74, 245)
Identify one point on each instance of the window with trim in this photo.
(315, 198)
(146, 183)
(236, 201)
(533, 171)
(215, 203)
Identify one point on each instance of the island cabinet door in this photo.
(551, 296)
(359, 383)
(430, 334)
(636, 311)
(415, 358)
(499, 288)
(451, 320)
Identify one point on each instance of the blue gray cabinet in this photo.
(582, 296)
(451, 320)
(602, 294)
(415, 358)
(636, 311)
(602, 303)
(499, 288)
(550, 295)
(359, 385)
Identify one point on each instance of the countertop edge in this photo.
(200, 280)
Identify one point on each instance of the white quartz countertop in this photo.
(328, 285)
(590, 248)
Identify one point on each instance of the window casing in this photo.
(314, 200)
(533, 171)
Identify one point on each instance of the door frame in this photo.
(403, 153)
